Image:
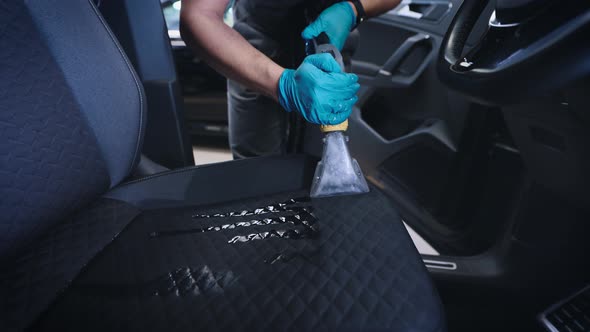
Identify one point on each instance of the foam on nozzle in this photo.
(337, 173)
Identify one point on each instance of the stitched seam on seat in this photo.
(181, 170)
(132, 72)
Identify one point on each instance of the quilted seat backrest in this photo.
(71, 114)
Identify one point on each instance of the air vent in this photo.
(570, 315)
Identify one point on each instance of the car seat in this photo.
(234, 246)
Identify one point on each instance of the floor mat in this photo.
(275, 263)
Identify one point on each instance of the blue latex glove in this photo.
(319, 90)
(336, 21)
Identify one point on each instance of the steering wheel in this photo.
(530, 47)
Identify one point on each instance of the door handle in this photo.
(429, 10)
(405, 9)
(387, 76)
(398, 56)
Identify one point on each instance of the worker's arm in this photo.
(224, 49)
(337, 20)
(377, 7)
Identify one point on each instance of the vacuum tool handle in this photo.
(322, 38)
(339, 127)
(322, 44)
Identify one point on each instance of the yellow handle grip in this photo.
(339, 127)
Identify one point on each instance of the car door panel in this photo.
(403, 99)
(405, 116)
(408, 131)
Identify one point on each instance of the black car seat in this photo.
(236, 246)
(140, 28)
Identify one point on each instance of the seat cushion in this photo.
(275, 262)
(30, 282)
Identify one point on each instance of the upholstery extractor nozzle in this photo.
(337, 173)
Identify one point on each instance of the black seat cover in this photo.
(234, 246)
(347, 267)
(140, 27)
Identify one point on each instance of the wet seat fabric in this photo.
(230, 247)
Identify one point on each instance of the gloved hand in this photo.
(319, 90)
(336, 21)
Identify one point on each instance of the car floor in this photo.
(208, 154)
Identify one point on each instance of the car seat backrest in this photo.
(71, 114)
(140, 27)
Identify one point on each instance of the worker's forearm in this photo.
(229, 53)
(377, 7)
